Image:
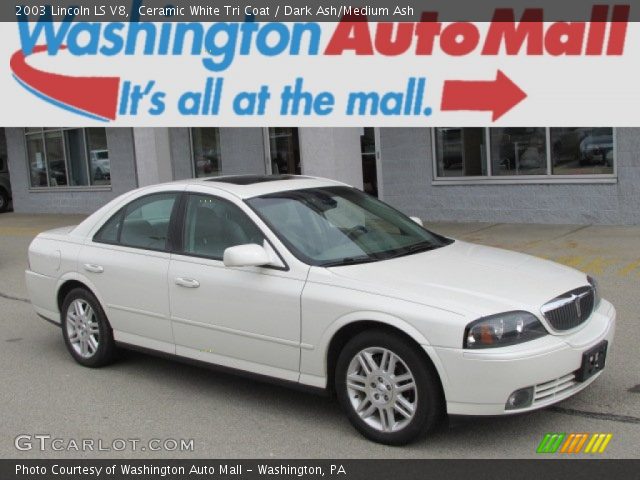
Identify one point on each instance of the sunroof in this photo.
(252, 179)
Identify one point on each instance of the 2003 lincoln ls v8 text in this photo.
(311, 281)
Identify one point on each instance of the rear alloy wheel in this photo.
(86, 330)
(390, 392)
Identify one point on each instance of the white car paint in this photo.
(280, 321)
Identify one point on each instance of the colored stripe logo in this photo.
(574, 443)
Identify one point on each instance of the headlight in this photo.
(503, 329)
(596, 291)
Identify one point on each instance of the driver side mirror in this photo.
(249, 255)
(417, 220)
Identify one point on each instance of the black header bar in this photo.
(302, 10)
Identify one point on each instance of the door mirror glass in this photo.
(417, 220)
(249, 255)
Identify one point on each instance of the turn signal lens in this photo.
(503, 329)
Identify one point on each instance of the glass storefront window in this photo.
(580, 151)
(369, 167)
(35, 157)
(541, 153)
(99, 162)
(460, 152)
(55, 158)
(519, 151)
(62, 157)
(284, 148)
(3, 151)
(206, 151)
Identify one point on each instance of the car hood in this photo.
(464, 278)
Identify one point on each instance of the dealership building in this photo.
(585, 175)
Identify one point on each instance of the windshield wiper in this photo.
(349, 261)
(417, 248)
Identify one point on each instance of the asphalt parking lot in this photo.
(43, 391)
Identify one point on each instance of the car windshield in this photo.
(334, 226)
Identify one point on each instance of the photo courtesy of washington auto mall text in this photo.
(318, 239)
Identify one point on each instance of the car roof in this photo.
(242, 186)
(248, 186)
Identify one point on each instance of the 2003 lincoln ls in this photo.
(311, 281)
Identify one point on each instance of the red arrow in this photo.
(497, 96)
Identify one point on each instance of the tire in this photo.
(86, 330)
(381, 419)
(4, 200)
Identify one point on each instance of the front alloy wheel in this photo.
(389, 389)
(86, 330)
(382, 389)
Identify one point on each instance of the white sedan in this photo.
(313, 282)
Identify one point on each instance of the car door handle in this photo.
(187, 282)
(91, 267)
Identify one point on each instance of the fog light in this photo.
(520, 399)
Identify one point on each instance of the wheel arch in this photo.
(349, 329)
(69, 282)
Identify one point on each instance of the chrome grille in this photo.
(570, 309)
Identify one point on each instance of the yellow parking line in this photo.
(630, 268)
(571, 261)
(598, 265)
(19, 231)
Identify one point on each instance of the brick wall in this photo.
(407, 174)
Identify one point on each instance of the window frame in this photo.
(66, 188)
(548, 178)
(171, 242)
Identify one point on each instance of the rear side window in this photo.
(110, 230)
(144, 223)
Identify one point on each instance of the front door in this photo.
(246, 318)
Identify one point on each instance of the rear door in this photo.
(127, 262)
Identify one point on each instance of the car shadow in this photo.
(182, 374)
(309, 405)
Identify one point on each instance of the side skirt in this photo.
(219, 368)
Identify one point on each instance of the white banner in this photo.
(320, 74)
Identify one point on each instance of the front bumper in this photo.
(479, 382)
